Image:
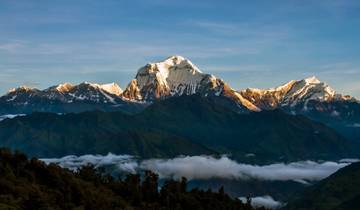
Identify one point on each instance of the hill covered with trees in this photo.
(33, 185)
(340, 191)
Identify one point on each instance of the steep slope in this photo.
(339, 191)
(178, 76)
(182, 125)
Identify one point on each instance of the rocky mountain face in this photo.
(177, 76)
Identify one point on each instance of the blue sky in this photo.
(247, 43)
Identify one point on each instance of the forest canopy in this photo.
(31, 184)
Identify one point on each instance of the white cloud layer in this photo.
(265, 201)
(10, 116)
(124, 163)
(207, 167)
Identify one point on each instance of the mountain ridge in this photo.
(177, 76)
(189, 125)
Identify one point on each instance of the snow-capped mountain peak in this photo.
(171, 72)
(312, 80)
(65, 87)
(293, 93)
(21, 89)
(112, 88)
(308, 89)
(175, 75)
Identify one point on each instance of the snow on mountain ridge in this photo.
(21, 88)
(65, 87)
(173, 76)
(170, 73)
(176, 76)
(68, 93)
(112, 88)
(291, 94)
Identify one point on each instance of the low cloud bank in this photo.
(356, 125)
(124, 163)
(265, 201)
(10, 116)
(207, 167)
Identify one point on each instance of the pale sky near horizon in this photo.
(247, 43)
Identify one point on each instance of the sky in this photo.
(247, 43)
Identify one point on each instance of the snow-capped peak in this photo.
(21, 88)
(172, 71)
(65, 87)
(175, 75)
(112, 88)
(312, 80)
(293, 93)
(180, 61)
(309, 89)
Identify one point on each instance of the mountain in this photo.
(340, 191)
(293, 94)
(296, 96)
(177, 76)
(187, 125)
(66, 98)
(173, 77)
(314, 99)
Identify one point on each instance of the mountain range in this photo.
(172, 77)
(177, 76)
(185, 125)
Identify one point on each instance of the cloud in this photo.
(349, 160)
(208, 167)
(356, 125)
(10, 116)
(123, 162)
(265, 201)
